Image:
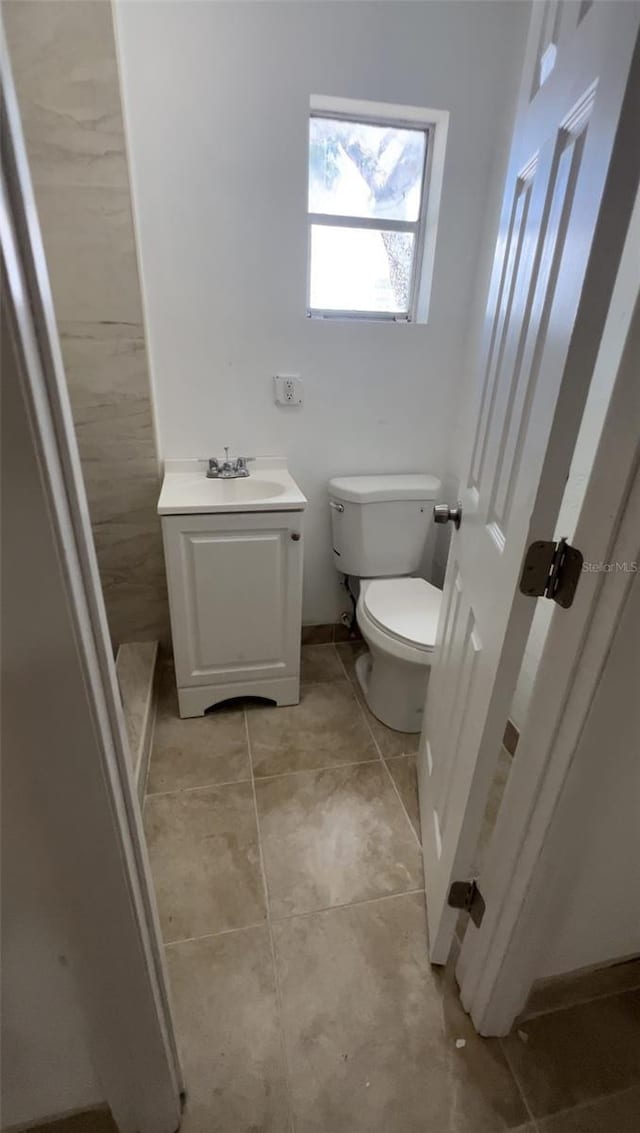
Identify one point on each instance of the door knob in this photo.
(442, 513)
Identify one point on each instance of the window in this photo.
(368, 207)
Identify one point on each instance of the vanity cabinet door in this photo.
(235, 592)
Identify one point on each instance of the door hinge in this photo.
(466, 895)
(551, 570)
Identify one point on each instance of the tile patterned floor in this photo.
(284, 846)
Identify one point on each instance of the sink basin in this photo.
(227, 492)
(269, 487)
(245, 489)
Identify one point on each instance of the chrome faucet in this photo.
(228, 469)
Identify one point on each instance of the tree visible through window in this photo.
(366, 189)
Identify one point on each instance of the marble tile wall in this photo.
(64, 63)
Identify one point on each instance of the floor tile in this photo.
(224, 1005)
(205, 861)
(89, 1121)
(344, 633)
(318, 634)
(326, 729)
(552, 995)
(197, 752)
(372, 1037)
(321, 663)
(331, 837)
(390, 742)
(617, 1114)
(348, 652)
(403, 773)
(578, 1054)
(135, 672)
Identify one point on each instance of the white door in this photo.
(572, 177)
(551, 906)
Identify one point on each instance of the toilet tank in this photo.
(379, 524)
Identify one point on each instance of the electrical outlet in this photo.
(287, 389)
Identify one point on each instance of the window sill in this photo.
(360, 317)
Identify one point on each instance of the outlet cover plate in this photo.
(287, 389)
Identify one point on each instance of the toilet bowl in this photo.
(398, 619)
(379, 530)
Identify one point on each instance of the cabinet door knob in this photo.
(295, 535)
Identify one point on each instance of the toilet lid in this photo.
(405, 608)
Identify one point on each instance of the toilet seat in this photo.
(405, 610)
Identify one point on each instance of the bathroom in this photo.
(171, 352)
(168, 145)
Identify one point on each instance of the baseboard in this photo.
(98, 1120)
(558, 992)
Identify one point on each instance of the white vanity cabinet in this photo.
(235, 593)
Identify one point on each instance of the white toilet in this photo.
(379, 526)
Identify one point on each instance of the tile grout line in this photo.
(200, 787)
(576, 1003)
(314, 770)
(317, 644)
(213, 935)
(274, 965)
(569, 1109)
(352, 686)
(349, 904)
(519, 1087)
(405, 811)
(354, 691)
(152, 737)
(383, 761)
(293, 916)
(520, 1025)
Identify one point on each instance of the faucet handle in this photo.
(242, 461)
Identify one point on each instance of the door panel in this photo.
(518, 381)
(554, 268)
(510, 281)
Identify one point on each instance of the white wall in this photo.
(216, 99)
(593, 418)
(599, 920)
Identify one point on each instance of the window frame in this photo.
(433, 124)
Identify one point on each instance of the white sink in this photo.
(269, 487)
